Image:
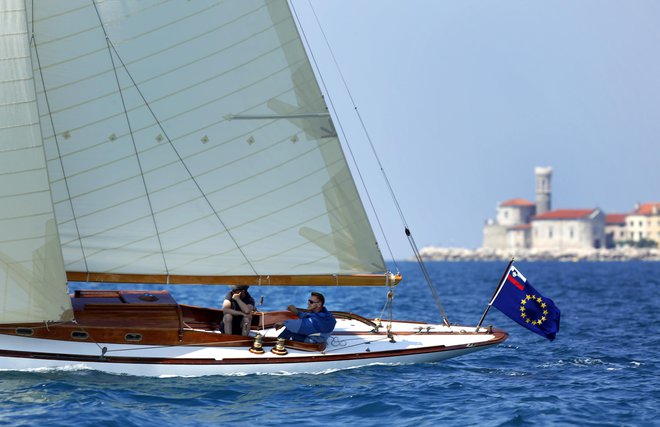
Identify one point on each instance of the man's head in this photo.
(315, 302)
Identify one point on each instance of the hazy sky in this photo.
(462, 99)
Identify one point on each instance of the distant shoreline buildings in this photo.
(521, 224)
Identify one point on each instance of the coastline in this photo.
(431, 253)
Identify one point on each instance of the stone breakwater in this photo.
(617, 254)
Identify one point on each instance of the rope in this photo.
(46, 326)
(427, 276)
(355, 345)
(208, 344)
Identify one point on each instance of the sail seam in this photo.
(168, 95)
(21, 125)
(138, 60)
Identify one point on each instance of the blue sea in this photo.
(602, 370)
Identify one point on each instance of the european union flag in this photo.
(521, 302)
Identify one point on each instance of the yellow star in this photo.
(523, 315)
(529, 297)
(528, 321)
(543, 305)
(545, 311)
(534, 322)
(523, 302)
(522, 308)
(543, 319)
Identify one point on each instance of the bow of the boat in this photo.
(408, 341)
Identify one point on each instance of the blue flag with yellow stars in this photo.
(521, 302)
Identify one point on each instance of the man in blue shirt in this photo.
(314, 325)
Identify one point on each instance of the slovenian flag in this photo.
(521, 302)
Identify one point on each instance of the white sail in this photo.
(32, 277)
(191, 138)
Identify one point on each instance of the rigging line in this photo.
(90, 337)
(214, 344)
(387, 181)
(427, 276)
(362, 343)
(341, 129)
(33, 41)
(130, 131)
(167, 137)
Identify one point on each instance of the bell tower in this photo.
(543, 189)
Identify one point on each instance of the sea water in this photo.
(602, 370)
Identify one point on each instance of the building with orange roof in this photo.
(511, 228)
(515, 211)
(569, 229)
(615, 229)
(534, 225)
(644, 223)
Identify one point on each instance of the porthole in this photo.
(27, 332)
(79, 335)
(133, 337)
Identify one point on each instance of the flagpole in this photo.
(497, 289)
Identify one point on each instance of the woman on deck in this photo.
(237, 311)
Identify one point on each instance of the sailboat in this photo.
(169, 143)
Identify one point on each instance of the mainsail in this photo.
(190, 139)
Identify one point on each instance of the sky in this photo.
(462, 99)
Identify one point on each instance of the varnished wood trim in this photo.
(277, 280)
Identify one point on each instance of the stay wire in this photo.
(407, 231)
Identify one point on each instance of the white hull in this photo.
(351, 346)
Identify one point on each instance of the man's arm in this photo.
(226, 308)
(245, 308)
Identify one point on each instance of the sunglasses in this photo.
(313, 302)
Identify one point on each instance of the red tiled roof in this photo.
(615, 218)
(565, 214)
(647, 209)
(517, 202)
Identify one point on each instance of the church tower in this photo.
(543, 189)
